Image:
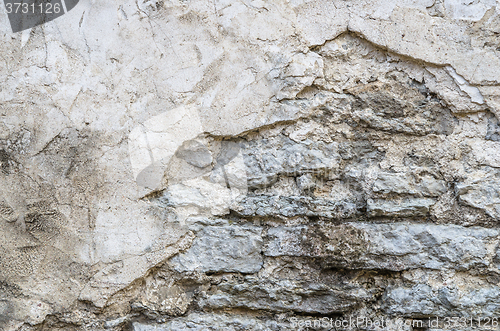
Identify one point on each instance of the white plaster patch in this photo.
(472, 91)
(472, 10)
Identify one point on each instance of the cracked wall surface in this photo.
(251, 165)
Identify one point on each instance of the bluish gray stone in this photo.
(214, 322)
(422, 300)
(387, 246)
(222, 249)
(406, 207)
(285, 295)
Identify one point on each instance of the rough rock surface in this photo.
(252, 165)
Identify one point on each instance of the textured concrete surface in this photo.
(250, 165)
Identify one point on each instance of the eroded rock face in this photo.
(223, 249)
(392, 247)
(173, 165)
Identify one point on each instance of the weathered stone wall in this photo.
(224, 165)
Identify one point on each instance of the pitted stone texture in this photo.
(423, 300)
(223, 249)
(482, 190)
(403, 183)
(383, 93)
(285, 295)
(265, 159)
(214, 322)
(404, 207)
(265, 205)
(395, 107)
(387, 246)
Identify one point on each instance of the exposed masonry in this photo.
(381, 201)
(375, 204)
